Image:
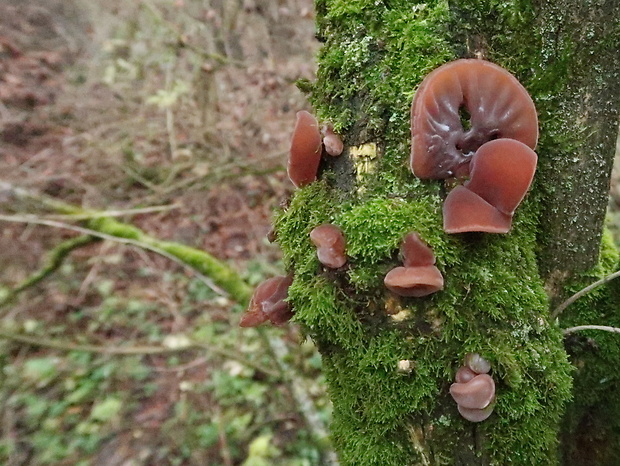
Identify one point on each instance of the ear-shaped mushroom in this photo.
(474, 394)
(332, 142)
(497, 105)
(330, 244)
(414, 281)
(501, 172)
(306, 148)
(416, 252)
(476, 415)
(476, 364)
(268, 303)
(464, 211)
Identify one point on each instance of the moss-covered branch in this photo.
(54, 260)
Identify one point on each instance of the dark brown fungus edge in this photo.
(269, 303)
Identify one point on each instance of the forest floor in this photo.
(176, 117)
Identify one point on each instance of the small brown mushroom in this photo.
(494, 102)
(464, 374)
(330, 243)
(332, 142)
(477, 363)
(477, 393)
(465, 211)
(306, 148)
(416, 252)
(476, 415)
(269, 303)
(414, 281)
(501, 172)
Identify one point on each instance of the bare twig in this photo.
(134, 350)
(114, 213)
(578, 328)
(558, 310)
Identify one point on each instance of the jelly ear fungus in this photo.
(306, 149)
(497, 105)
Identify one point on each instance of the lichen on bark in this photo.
(374, 55)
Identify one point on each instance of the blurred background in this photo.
(174, 116)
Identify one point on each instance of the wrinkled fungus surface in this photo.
(462, 105)
(330, 243)
(306, 148)
(474, 389)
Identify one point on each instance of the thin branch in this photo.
(583, 292)
(226, 281)
(114, 213)
(578, 328)
(134, 350)
(54, 260)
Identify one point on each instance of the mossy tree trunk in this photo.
(499, 288)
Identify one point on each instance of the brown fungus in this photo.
(465, 211)
(332, 142)
(416, 252)
(330, 243)
(306, 148)
(476, 393)
(492, 101)
(502, 172)
(269, 303)
(474, 389)
(414, 281)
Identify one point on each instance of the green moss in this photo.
(593, 419)
(375, 54)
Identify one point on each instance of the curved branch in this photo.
(558, 310)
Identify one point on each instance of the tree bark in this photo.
(375, 54)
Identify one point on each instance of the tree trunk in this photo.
(497, 287)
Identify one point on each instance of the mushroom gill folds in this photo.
(306, 149)
(269, 303)
(419, 277)
(330, 243)
(474, 389)
(495, 104)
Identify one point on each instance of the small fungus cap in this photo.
(414, 281)
(331, 244)
(476, 415)
(497, 104)
(416, 252)
(501, 172)
(477, 393)
(332, 142)
(306, 148)
(268, 303)
(465, 211)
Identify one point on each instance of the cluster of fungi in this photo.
(474, 126)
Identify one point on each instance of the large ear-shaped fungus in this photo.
(464, 211)
(268, 303)
(416, 252)
(306, 148)
(414, 281)
(501, 172)
(330, 243)
(497, 105)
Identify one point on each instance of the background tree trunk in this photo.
(498, 287)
